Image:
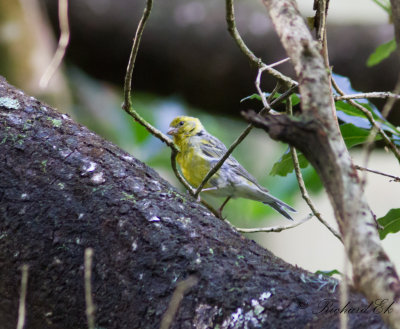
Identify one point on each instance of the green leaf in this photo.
(312, 180)
(295, 99)
(381, 52)
(328, 273)
(353, 135)
(285, 164)
(252, 96)
(390, 223)
(350, 114)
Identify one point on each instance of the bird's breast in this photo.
(194, 166)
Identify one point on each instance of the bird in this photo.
(200, 151)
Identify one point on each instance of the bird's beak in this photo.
(172, 131)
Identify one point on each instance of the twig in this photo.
(375, 94)
(127, 105)
(302, 185)
(230, 20)
(88, 288)
(22, 298)
(371, 119)
(221, 161)
(374, 131)
(321, 7)
(181, 289)
(395, 178)
(62, 44)
(306, 196)
(178, 174)
(274, 229)
(262, 95)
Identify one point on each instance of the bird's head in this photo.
(184, 126)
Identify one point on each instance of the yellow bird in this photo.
(200, 151)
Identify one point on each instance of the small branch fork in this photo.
(394, 178)
(230, 20)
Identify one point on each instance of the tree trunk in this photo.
(315, 132)
(63, 189)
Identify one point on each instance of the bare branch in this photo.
(395, 178)
(62, 44)
(274, 229)
(230, 20)
(376, 94)
(306, 197)
(302, 185)
(127, 106)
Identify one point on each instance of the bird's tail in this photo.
(280, 207)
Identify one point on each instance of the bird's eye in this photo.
(181, 123)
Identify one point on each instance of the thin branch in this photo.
(22, 298)
(321, 7)
(221, 161)
(88, 288)
(369, 145)
(262, 95)
(178, 174)
(62, 44)
(306, 196)
(395, 178)
(371, 119)
(302, 185)
(181, 289)
(274, 229)
(230, 20)
(127, 105)
(375, 94)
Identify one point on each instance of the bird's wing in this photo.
(213, 148)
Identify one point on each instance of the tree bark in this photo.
(63, 189)
(318, 137)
